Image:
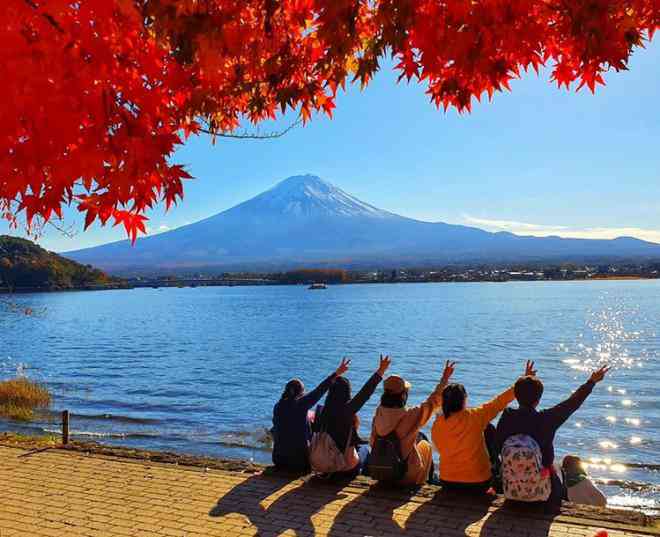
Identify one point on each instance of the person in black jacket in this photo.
(292, 430)
(542, 425)
(340, 420)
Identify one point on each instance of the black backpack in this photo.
(385, 461)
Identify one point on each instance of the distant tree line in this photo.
(314, 276)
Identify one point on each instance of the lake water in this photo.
(198, 370)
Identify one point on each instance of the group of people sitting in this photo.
(517, 457)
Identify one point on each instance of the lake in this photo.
(197, 370)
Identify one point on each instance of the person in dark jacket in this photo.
(340, 420)
(542, 425)
(292, 430)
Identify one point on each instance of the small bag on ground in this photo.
(386, 462)
(523, 477)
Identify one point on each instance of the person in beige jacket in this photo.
(394, 415)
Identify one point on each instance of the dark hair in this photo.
(528, 391)
(453, 399)
(338, 396)
(394, 400)
(294, 388)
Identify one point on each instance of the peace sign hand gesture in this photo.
(599, 374)
(384, 365)
(343, 366)
(529, 369)
(448, 371)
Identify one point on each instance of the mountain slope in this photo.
(304, 219)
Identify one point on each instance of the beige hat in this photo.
(395, 384)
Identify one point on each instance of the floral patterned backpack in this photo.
(523, 477)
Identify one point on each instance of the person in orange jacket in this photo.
(462, 436)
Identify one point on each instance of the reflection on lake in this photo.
(198, 370)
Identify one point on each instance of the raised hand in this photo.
(599, 374)
(343, 366)
(448, 371)
(529, 369)
(384, 365)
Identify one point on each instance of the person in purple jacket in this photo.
(542, 425)
(292, 431)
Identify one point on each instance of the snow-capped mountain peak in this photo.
(309, 195)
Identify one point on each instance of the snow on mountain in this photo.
(309, 195)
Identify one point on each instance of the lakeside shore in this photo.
(100, 287)
(89, 489)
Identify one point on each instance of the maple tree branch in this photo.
(251, 136)
(36, 229)
(46, 16)
(68, 232)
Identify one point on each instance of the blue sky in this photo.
(536, 161)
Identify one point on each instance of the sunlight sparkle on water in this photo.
(611, 419)
(627, 402)
(608, 444)
(634, 440)
(634, 421)
(628, 501)
(607, 341)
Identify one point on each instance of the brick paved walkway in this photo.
(63, 493)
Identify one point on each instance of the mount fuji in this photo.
(306, 220)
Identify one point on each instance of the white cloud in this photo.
(155, 231)
(543, 230)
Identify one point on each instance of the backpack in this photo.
(386, 462)
(523, 477)
(325, 457)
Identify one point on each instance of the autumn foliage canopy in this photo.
(98, 93)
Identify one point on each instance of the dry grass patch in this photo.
(26, 441)
(20, 397)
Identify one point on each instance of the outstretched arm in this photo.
(310, 399)
(488, 411)
(558, 414)
(431, 405)
(370, 386)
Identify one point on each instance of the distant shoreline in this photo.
(168, 284)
